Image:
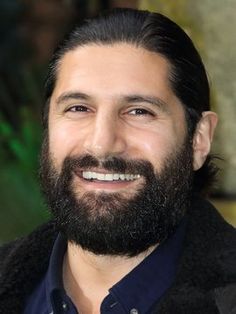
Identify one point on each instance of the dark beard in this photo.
(109, 223)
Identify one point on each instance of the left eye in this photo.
(139, 112)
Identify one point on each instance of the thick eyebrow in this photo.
(72, 96)
(133, 98)
(153, 100)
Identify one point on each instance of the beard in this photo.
(117, 223)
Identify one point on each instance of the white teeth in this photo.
(94, 175)
(127, 177)
(86, 175)
(122, 177)
(100, 176)
(109, 176)
(116, 176)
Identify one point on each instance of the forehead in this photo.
(111, 61)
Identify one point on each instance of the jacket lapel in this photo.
(207, 263)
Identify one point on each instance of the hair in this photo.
(157, 33)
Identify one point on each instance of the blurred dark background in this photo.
(29, 32)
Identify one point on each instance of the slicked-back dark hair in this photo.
(156, 33)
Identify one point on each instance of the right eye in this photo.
(77, 108)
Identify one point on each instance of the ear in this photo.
(203, 137)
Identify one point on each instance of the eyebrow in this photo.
(70, 96)
(133, 98)
(153, 100)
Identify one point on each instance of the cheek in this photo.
(155, 145)
(63, 141)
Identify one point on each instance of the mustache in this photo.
(111, 163)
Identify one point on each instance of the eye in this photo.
(77, 108)
(140, 112)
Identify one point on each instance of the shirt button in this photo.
(64, 306)
(133, 311)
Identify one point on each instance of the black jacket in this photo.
(205, 281)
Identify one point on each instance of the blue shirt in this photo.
(136, 293)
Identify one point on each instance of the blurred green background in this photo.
(30, 30)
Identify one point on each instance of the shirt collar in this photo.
(150, 279)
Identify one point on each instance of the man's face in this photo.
(104, 104)
(117, 136)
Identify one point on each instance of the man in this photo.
(124, 164)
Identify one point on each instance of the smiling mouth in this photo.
(104, 177)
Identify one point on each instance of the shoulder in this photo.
(41, 239)
(208, 229)
(22, 264)
(211, 242)
(210, 249)
(206, 278)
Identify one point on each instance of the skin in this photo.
(115, 100)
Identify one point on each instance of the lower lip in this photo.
(106, 185)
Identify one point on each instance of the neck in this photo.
(88, 277)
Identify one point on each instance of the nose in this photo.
(105, 137)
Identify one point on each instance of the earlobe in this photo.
(203, 137)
